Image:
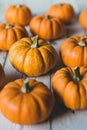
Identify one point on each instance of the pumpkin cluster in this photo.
(47, 26)
(32, 56)
(70, 82)
(70, 87)
(52, 25)
(30, 101)
(13, 29)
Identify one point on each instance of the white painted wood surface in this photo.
(61, 118)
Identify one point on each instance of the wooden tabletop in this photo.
(61, 118)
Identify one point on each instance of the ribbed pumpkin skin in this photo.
(26, 108)
(83, 18)
(10, 34)
(33, 61)
(47, 28)
(72, 94)
(2, 74)
(64, 11)
(72, 54)
(18, 14)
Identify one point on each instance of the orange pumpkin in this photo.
(46, 27)
(18, 14)
(10, 33)
(33, 56)
(26, 102)
(83, 19)
(64, 11)
(71, 87)
(2, 74)
(73, 51)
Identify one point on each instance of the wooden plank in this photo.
(5, 124)
(10, 72)
(66, 120)
(3, 56)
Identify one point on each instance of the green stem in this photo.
(83, 41)
(18, 5)
(47, 17)
(77, 76)
(8, 25)
(60, 4)
(35, 42)
(25, 87)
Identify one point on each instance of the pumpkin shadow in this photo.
(59, 109)
(10, 77)
(57, 67)
(72, 31)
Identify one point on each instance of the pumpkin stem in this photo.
(8, 25)
(18, 5)
(60, 4)
(25, 87)
(35, 42)
(83, 41)
(77, 76)
(47, 17)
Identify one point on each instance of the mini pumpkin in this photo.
(64, 11)
(26, 101)
(18, 14)
(2, 74)
(46, 27)
(70, 85)
(9, 34)
(33, 56)
(73, 51)
(83, 19)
